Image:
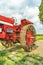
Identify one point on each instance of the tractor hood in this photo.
(6, 19)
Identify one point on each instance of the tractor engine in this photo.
(11, 34)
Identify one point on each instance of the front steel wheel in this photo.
(7, 44)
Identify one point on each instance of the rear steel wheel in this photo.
(27, 37)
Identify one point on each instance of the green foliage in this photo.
(41, 12)
(2, 61)
(3, 53)
(19, 57)
(39, 36)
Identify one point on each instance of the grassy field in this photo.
(19, 56)
(39, 36)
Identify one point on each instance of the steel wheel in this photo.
(30, 35)
(7, 44)
(27, 37)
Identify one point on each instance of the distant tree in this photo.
(41, 12)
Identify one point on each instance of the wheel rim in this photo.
(7, 44)
(30, 38)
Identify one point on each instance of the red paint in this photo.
(16, 30)
(6, 19)
(29, 37)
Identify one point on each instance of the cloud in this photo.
(22, 9)
(31, 13)
(38, 26)
(15, 3)
(37, 2)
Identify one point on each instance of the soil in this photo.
(39, 49)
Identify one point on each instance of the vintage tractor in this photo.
(11, 33)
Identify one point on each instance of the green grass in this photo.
(39, 36)
(19, 57)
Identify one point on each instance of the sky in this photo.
(20, 9)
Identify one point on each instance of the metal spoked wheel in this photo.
(7, 44)
(27, 37)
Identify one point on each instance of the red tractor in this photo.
(11, 33)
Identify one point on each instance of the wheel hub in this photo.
(30, 38)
